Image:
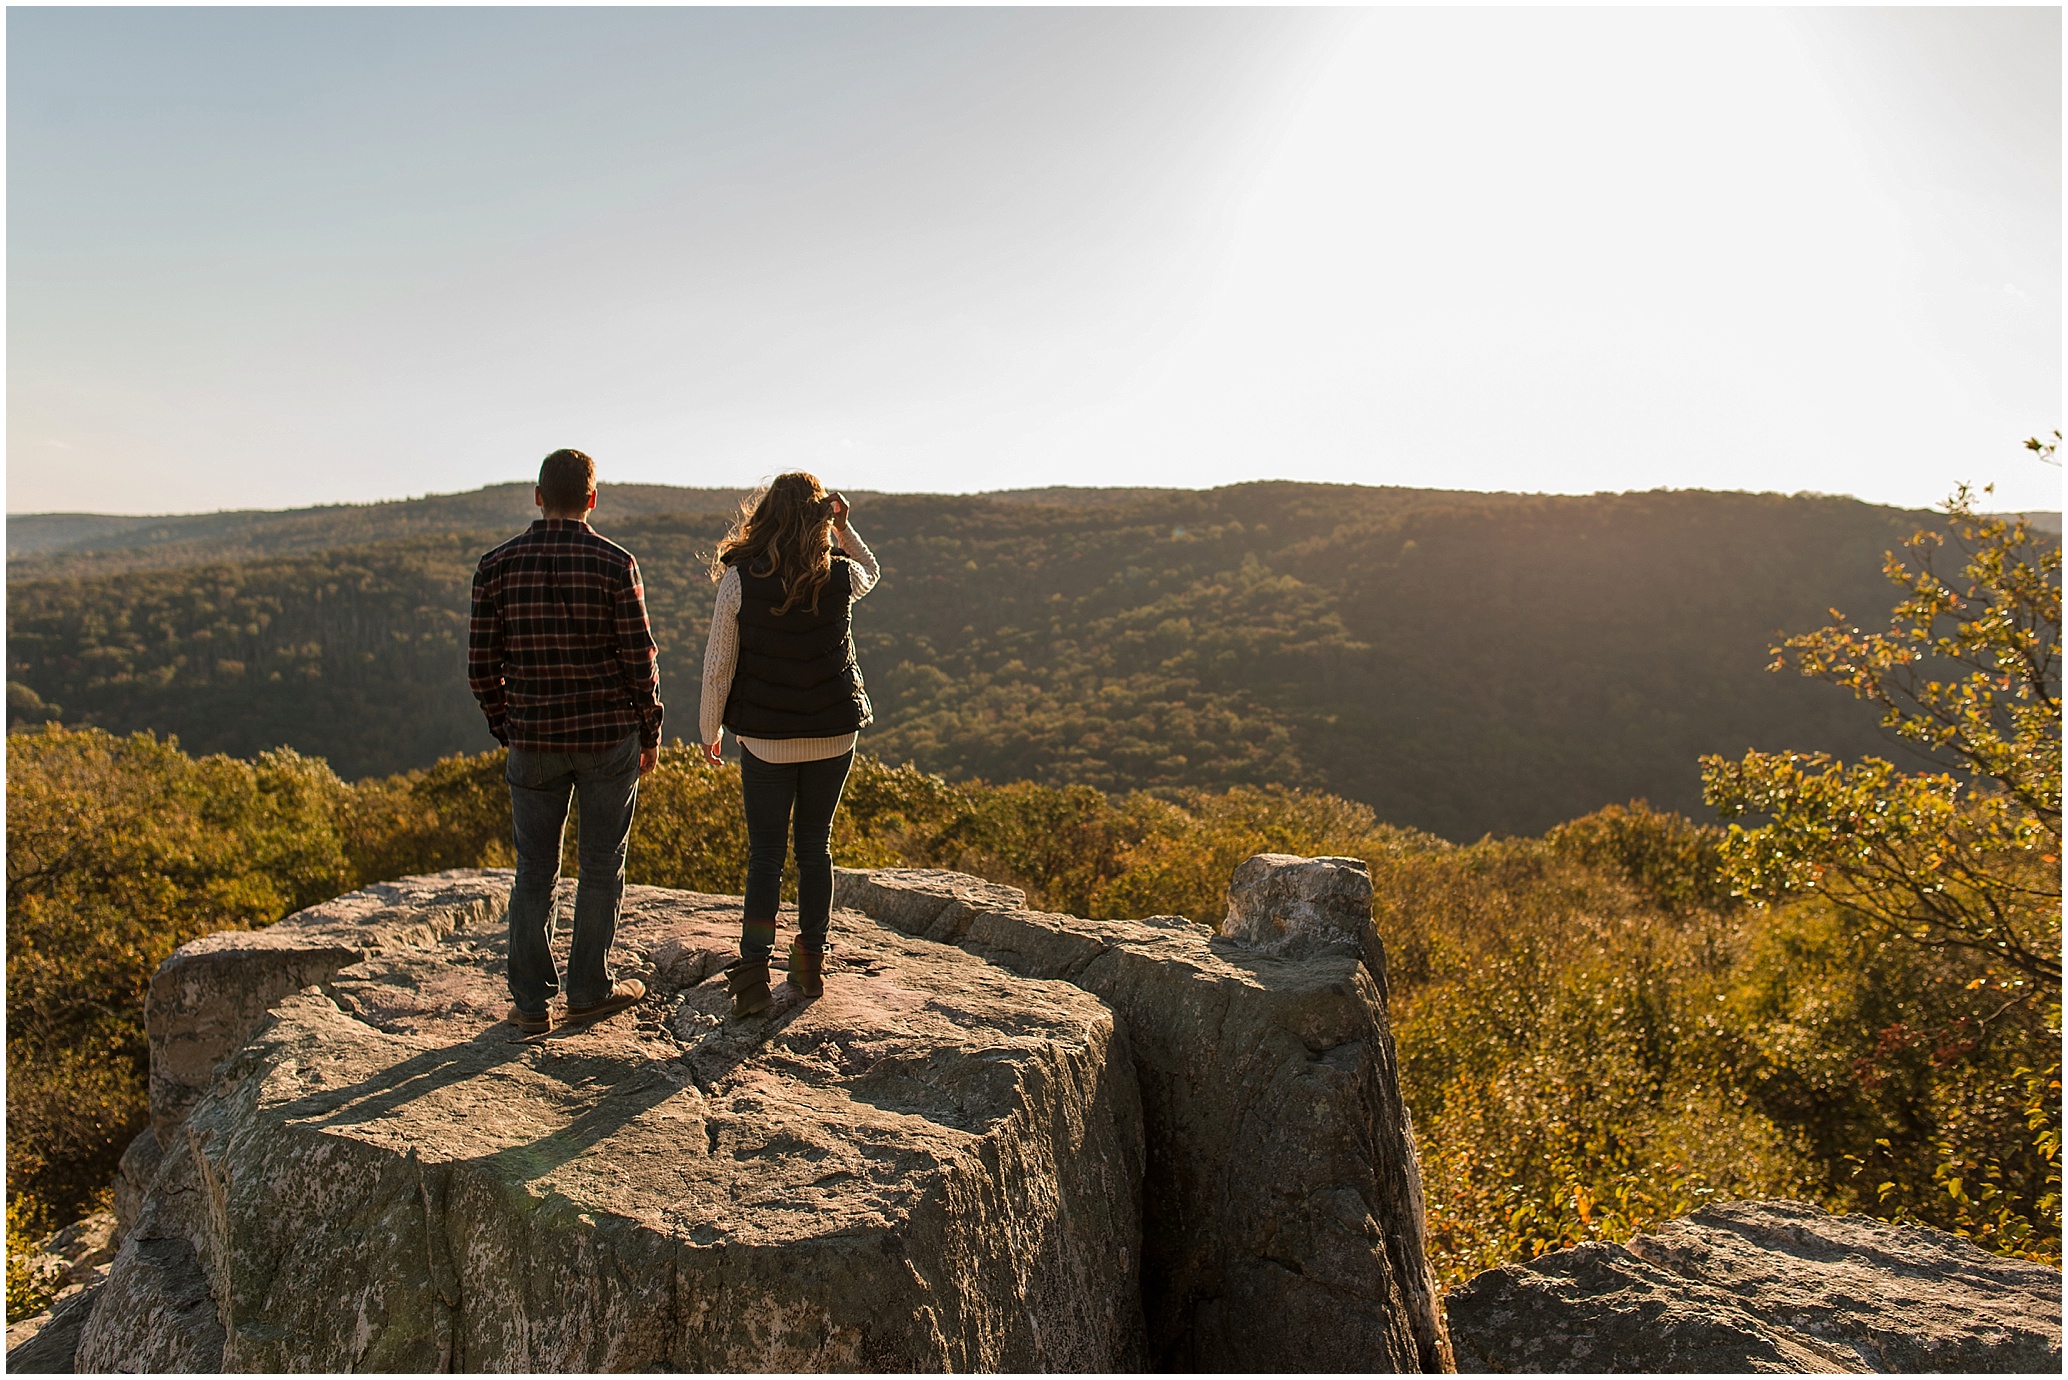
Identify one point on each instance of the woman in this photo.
(780, 672)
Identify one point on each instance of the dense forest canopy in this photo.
(1463, 663)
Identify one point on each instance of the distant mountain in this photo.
(1463, 662)
(32, 534)
(44, 544)
(41, 545)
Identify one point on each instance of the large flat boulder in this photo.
(208, 997)
(1283, 1206)
(1764, 1287)
(936, 1166)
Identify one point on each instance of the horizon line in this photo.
(602, 486)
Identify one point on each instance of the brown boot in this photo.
(623, 993)
(748, 983)
(807, 969)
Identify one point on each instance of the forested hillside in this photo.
(1463, 663)
(44, 545)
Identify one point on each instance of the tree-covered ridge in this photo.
(46, 545)
(1463, 663)
(345, 653)
(49, 545)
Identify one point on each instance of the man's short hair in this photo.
(566, 480)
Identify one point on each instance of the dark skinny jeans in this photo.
(606, 785)
(776, 796)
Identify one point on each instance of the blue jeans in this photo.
(607, 783)
(773, 793)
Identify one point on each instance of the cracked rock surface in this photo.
(937, 1165)
(211, 994)
(1764, 1287)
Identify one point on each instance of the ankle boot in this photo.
(807, 969)
(748, 983)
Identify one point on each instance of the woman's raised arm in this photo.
(857, 550)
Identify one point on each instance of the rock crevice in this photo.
(1283, 1204)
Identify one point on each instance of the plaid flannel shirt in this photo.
(559, 651)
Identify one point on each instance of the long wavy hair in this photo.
(785, 530)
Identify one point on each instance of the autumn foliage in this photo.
(1851, 995)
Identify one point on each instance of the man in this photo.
(561, 657)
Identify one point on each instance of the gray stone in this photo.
(1293, 906)
(156, 1313)
(936, 1166)
(88, 1241)
(207, 998)
(1769, 1287)
(923, 902)
(45, 1344)
(157, 1309)
(76, 1250)
(1283, 1207)
(133, 1175)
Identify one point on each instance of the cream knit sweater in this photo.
(722, 654)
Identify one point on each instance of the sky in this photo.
(278, 257)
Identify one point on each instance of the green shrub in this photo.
(119, 851)
(1925, 1081)
(689, 831)
(1591, 1044)
(1903, 1000)
(30, 1284)
(455, 813)
(1557, 1048)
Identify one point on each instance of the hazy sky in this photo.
(260, 258)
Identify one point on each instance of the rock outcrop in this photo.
(924, 903)
(938, 1165)
(1283, 1206)
(1290, 907)
(210, 995)
(1003, 1140)
(207, 998)
(1765, 1287)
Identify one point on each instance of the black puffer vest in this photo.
(797, 676)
